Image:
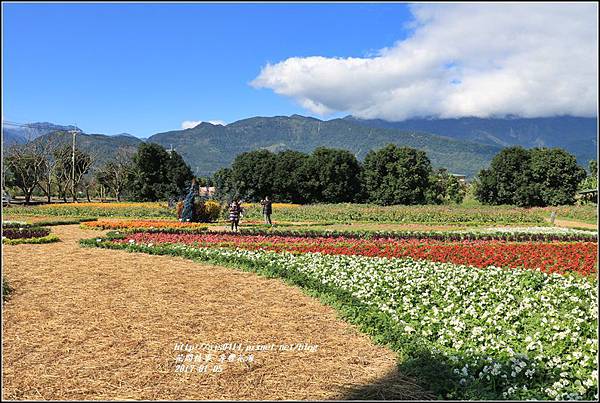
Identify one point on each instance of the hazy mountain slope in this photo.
(18, 134)
(577, 135)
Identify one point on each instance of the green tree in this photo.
(396, 175)
(287, 176)
(591, 180)
(508, 180)
(556, 174)
(253, 174)
(444, 188)
(330, 175)
(158, 174)
(224, 187)
(527, 178)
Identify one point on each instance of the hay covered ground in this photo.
(102, 324)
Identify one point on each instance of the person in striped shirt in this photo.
(235, 211)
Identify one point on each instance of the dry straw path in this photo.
(101, 324)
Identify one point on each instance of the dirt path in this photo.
(574, 224)
(101, 324)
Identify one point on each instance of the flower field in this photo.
(408, 214)
(467, 332)
(552, 257)
(496, 304)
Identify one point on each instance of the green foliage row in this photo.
(48, 223)
(95, 210)
(39, 240)
(437, 235)
(391, 175)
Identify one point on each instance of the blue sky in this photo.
(146, 68)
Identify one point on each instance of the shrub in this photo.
(204, 211)
(6, 289)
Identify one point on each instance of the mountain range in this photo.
(578, 135)
(22, 133)
(463, 145)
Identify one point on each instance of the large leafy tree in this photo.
(158, 174)
(224, 187)
(253, 174)
(557, 175)
(287, 177)
(508, 180)
(536, 177)
(396, 175)
(330, 175)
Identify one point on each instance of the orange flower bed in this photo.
(134, 224)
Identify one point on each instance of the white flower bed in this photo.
(537, 230)
(516, 328)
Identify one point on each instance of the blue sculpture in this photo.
(187, 214)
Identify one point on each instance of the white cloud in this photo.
(188, 124)
(527, 59)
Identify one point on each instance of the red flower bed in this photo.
(556, 257)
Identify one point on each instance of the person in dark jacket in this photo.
(235, 210)
(267, 209)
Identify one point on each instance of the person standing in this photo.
(267, 209)
(234, 214)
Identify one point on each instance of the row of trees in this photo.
(391, 175)
(403, 175)
(149, 174)
(52, 168)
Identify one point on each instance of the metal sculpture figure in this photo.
(187, 215)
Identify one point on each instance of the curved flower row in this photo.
(514, 334)
(554, 257)
(129, 224)
(514, 234)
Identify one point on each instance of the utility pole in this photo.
(73, 166)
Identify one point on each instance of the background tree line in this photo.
(391, 175)
(387, 176)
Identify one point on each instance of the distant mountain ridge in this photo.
(208, 147)
(463, 145)
(22, 134)
(577, 135)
